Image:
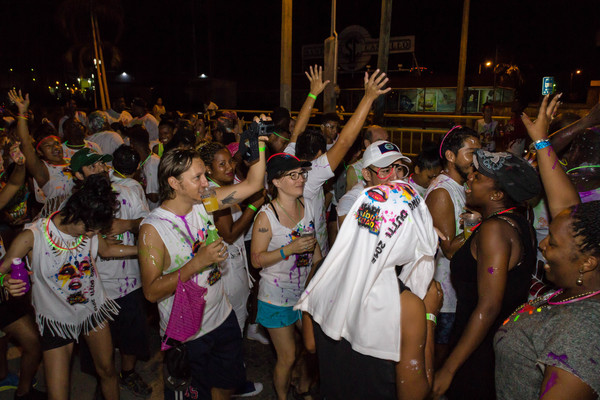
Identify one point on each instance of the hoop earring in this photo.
(579, 280)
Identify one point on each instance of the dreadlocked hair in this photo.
(208, 151)
(586, 226)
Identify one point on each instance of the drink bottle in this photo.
(19, 271)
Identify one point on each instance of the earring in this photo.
(579, 280)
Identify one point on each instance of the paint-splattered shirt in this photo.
(182, 240)
(566, 336)
(282, 284)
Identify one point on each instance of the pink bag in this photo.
(186, 313)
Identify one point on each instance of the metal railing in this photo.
(409, 139)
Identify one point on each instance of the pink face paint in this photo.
(549, 150)
(555, 162)
(491, 270)
(551, 382)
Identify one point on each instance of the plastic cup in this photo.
(309, 231)
(470, 221)
(209, 199)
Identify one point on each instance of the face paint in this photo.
(551, 382)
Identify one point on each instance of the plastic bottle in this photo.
(212, 236)
(19, 271)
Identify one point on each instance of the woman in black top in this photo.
(490, 272)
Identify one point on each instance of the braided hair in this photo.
(586, 226)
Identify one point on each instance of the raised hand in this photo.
(539, 129)
(374, 84)
(315, 76)
(21, 102)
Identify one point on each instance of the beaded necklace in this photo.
(52, 243)
(492, 215)
(540, 303)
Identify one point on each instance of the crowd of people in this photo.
(362, 267)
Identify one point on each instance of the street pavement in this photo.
(260, 360)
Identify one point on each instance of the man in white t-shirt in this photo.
(117, 112)
(383, 162)
(445, 199)
(101, 133)
(174, 253)
(311, 146)
(142, 117)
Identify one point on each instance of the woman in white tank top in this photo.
(285, 249)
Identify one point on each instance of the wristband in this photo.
(25, 118)
(431, 317)
(250, 206)
(541, 144)
(282, 253)
(2, 279)
(261, 149)
(312, 96)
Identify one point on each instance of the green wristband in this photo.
(431, 317)
(250, 206)
(312, 96)
(2, 279)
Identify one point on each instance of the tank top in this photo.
(479, 367)
(442, 269)
(67, 292)
(56, 190)
(181, 239)
(282, 284)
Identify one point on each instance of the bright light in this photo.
(11, 70)
(92, 76)
(124, 75)
(89, 81)
(488, 64)
(94, 61)
(203, 76)
(578, 72)
(34, 79)
(31, 69)
(78, 79)
(57, 82)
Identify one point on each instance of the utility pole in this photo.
(331, 57)
(285, 86)
(384, 51)
(462, 59)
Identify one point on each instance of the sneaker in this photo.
(10, 382)
(33, 394)
(249, 389)
(255, 333)
(135, 384)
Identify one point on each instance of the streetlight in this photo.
(576, 72)
(487, 65)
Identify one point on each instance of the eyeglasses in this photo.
(295, 175)
(386, 172)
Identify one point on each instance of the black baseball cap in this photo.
(282, 162)
(515, 176)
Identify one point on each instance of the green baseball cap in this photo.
(85, 157)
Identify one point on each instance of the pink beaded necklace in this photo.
(571, 299)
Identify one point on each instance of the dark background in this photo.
(239, 41)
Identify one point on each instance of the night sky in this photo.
(240, 40)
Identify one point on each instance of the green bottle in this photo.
(212, 236)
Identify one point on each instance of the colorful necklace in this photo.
(52, 243)
(214, 182)
(540, 303)
(573, 299)
(73, 146)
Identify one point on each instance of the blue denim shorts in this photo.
(271, 316)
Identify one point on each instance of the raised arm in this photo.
(560, 191)
(255, 181)
(154, 258)
(315, 76)
(373, 89)
(231, 230)
(33, 162)
(16, 180)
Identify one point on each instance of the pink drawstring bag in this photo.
(186, 313)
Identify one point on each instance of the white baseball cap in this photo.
(381, 153)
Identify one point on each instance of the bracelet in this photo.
(22, 117)
(431, 317)
(312, 96)
(250, 206)
(262, 149)
(2, 279)
(282, 253)
(541, 144)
